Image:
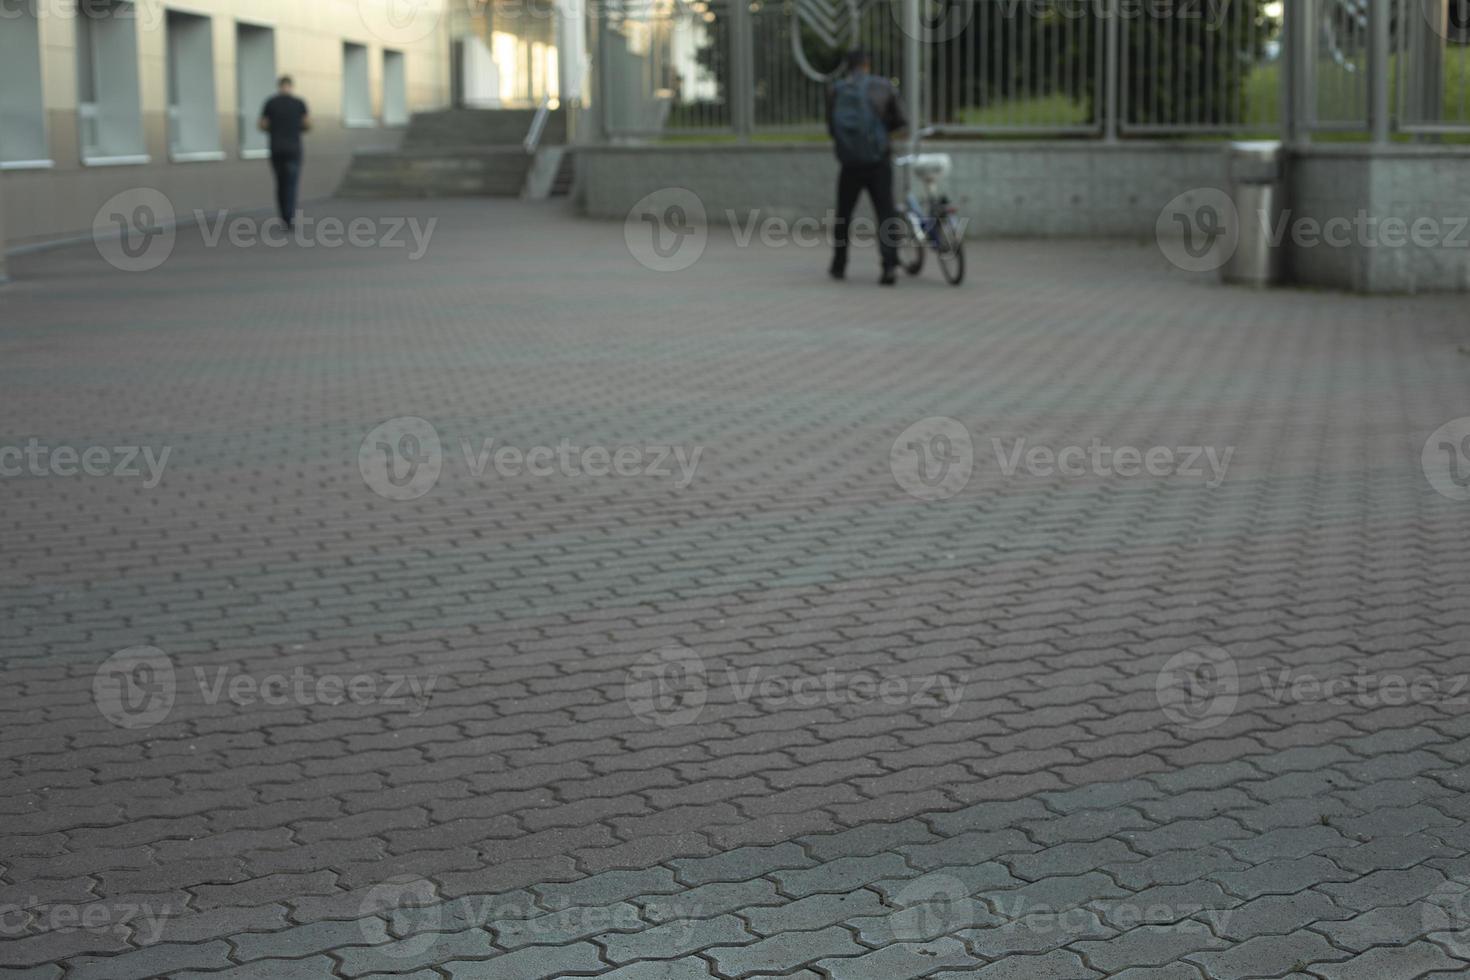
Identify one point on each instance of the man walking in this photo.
(863, 111)
(286, 117)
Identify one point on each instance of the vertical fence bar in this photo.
(912, 52)
(1380, 53)
(1112, 68)
(742, 70)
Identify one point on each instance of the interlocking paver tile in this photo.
(532, 798)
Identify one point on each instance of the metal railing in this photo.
(1078, 68)
(538, 126)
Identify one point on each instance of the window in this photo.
(357, 93)
(395, 89)
(22, 113)
(193, 120)
(108, 104)
(255, 60)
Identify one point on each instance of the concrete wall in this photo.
(61, 200)
(1021, 189)
(1380, 201)
(1064, 189)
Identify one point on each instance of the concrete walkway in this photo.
(520, 611)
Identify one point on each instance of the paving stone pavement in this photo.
(320, 701)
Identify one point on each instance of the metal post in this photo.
(913, 50)
(1422, 54)
(1380, 52)
(3, 279)
(1112, 70)
(742, 71)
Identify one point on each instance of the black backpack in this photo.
(859, 136)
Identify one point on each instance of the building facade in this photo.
(102, 96)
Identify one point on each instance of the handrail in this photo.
(538, 125)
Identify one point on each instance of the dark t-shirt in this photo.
(285, 114)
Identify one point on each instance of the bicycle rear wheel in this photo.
(951, 253)
(911, 250)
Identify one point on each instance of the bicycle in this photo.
(930, 218)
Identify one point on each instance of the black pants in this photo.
(877, 180)
(288, 179)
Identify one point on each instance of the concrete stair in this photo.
(453, 153)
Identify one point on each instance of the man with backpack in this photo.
(863, 111)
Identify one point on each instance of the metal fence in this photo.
(1072, 68)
